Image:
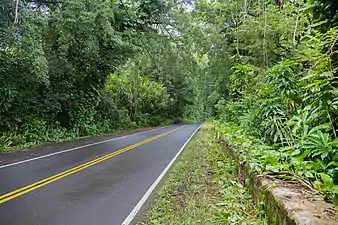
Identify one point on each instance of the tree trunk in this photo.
(280, 3)
(16, 13)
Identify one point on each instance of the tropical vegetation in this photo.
(265, 69)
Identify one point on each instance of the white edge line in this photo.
(145, 197)
(76, 148)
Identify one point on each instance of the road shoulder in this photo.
(202, 188)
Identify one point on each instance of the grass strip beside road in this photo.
(202, 188)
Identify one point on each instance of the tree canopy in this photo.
(73, 68)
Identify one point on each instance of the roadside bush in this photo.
(284, 118)
(276, 161)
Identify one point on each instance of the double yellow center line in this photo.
(21, 191)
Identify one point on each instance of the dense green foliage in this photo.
(281, 68)
(83, 67)
(266, 69)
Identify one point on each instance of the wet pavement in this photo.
(104, 193)
(50, 148)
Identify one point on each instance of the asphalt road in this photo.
(97, 184)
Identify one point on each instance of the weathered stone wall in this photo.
(286, 202)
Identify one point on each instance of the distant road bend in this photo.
(104, 182)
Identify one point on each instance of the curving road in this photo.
(100, 182)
